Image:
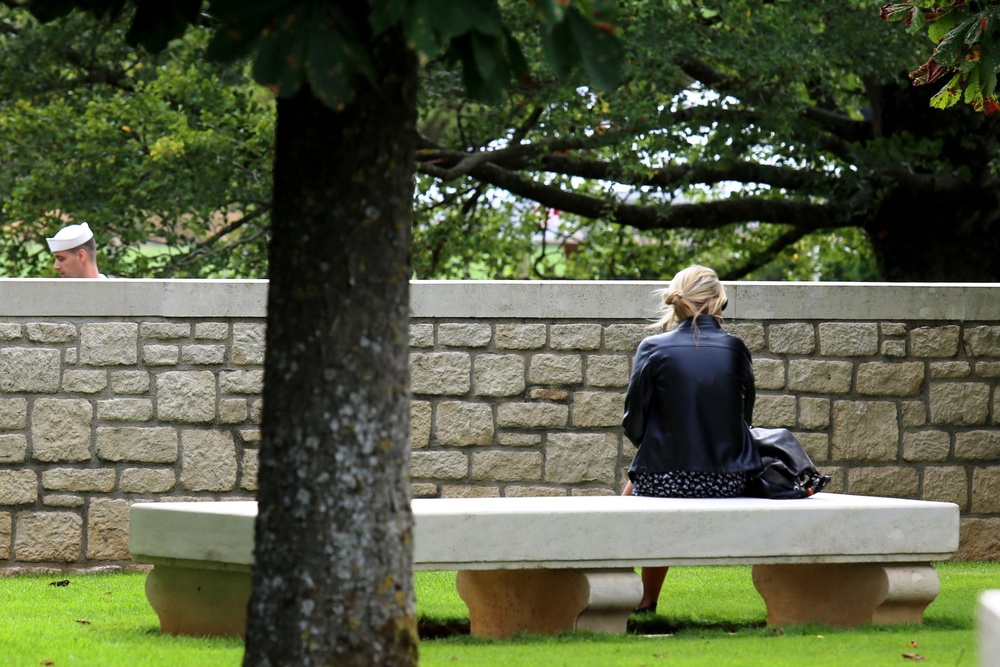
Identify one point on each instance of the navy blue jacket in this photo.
(690, 402)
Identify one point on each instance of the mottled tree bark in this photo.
(938, 237)
(941, 224)
(332, 580)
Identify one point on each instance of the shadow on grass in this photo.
(653, 624)
(436, 628)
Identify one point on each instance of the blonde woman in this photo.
(689, 406)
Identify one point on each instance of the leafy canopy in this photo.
(317, 43)
(171, 148)
(166, 155)
(743, 136)
(967, 46)
(770, 138)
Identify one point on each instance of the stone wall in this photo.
(118, 391)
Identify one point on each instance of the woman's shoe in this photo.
(649, 609)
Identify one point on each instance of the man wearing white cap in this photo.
(75, 252)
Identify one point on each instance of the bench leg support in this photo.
(846, 594)
(199, 602)
(504, 602)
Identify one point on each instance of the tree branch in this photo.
(451, 164)
(766, 256)
(430, 153)
(178, 261)
(97, 73)
(841, 125)
(903, 177)
(529, 122)
(705, 215)
(676, 175)
(462, 163)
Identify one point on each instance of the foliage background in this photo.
(658, 124)
(755, 136)
(168, 157)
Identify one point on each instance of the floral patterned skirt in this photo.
(690, 484)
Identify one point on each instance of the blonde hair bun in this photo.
(694, 291)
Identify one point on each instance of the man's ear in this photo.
(81, 255)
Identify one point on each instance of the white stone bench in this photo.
(989, 629)
(559, 563)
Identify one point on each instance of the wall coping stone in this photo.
(514, 299)
(120, 297)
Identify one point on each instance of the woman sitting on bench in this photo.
(689, 406)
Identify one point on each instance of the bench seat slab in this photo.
(856, 567)
(548, 601)
(846, 594)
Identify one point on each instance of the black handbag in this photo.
(787, 472)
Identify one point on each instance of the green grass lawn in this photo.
(708, 616)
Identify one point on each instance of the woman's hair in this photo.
(694, 291)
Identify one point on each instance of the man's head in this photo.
(75, 252)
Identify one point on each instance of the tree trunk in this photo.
(938, 237)
(946, 229)
(332, 580)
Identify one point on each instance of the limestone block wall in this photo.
(118, 391)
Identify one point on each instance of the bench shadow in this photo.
(435, 628)
(652, 624)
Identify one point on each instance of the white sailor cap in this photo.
(70, 237)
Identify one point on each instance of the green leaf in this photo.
(460, 17)
(477, 87)
(157, 23)
(337, 59)
(387, 13)
(603, 10)
(488, 54)
(281, 54)
(599, 10)
(243, 24)
(949, 95)
(551, 11)
(897, 11)
(938, 29)
(975, 31)
(560, 47)
(330, 67)
(917, 22)
(989, 62)
(232, 42)
(419, 31)
(973, 90)
(949, 50)
(518, 64)
(602, 53)
(251, 11)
